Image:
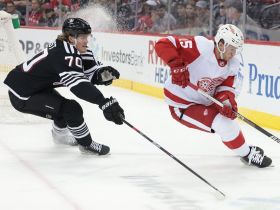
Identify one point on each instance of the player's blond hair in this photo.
(63, 37)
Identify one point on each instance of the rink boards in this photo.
(142, 71)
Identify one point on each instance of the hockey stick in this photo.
(173, 157)
(254, 125)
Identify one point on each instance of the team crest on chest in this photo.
(209, 85)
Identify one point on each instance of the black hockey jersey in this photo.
(60, 64)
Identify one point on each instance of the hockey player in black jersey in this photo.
(66, 62)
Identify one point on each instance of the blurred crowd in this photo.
(154, 16)
(41, 12)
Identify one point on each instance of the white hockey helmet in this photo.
(231, 35)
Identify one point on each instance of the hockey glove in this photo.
(230, 105)
(112, 110)
(105, 75)
(179, 73)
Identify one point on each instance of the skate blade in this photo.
(94, 154)
(253, 166)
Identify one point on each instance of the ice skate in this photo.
(257, 158)
(95, 148)
(63, 136)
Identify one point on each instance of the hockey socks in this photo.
(81, 134)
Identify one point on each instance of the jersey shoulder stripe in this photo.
(70, 49)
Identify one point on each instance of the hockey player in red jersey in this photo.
(213, 67)
(66, 62)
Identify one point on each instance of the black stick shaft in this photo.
(259, 128)
(172, 156)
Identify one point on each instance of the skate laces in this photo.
(95, 146)
(255, 156)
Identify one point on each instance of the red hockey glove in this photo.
(179, 73)
(230, 105)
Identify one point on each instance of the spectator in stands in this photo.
(22, 6)
(145, 22)
(65, 12)
(36, 13)
(11, 8)
(125, 18)
(73, 5)
(136, 6)
(220, 18)
(202, 13)
(161, 19)
(2, 4)
(191, 17)
(154, 17)
(148, 6)
(234, 12)
(174, 4)
(180, 15)
(235, 15)
(50, 18)
(192, 2)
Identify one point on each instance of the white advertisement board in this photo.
(134, 56)
(35, 40)
(261, 85)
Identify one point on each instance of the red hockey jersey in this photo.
(206, 71)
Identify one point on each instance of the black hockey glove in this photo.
(112, 110)
(105, 75)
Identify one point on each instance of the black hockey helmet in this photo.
(76, 26)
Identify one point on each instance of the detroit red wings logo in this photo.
(209, 85)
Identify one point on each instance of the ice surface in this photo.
(36, 174)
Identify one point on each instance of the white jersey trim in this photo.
(225, 88)
(191, 120)
(17, 95)
(172, 40)
(72, 78)
(66, 47)
(77, 82)
(175, 104)
(89, 58)
(79, 131)
(72, 49)
(70, 72)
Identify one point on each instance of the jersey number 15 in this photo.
(186, 43)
